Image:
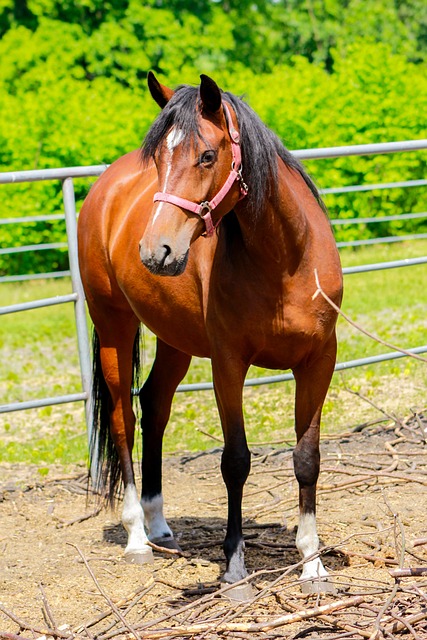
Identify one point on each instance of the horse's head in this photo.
(195, 146)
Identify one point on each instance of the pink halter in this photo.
(209, 206)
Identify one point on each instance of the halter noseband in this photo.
(208, 206)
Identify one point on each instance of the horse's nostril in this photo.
(167, 251)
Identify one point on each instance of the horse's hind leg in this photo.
(169, 368)
(312, 383)
(116, 332)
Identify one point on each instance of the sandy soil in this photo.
(60, 572)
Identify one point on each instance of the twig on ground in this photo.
(400, 553)
(114, 608)
(419, 541)
(422, 427)
(47, 613)
(332, 620)
(372, 558)
(398, 626)
(23, 624)
(135, 596)
(385, 473)
(260, 627)
(171, 552)
(68, 523)
(408, 572)
(360, 427)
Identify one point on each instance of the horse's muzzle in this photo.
(162, 261)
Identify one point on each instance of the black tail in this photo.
(105, 469)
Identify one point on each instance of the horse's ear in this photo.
(159, 92)
(210, 94)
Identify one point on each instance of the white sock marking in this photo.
(307, 542)
(156, 524)
(133, 520)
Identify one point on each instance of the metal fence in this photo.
(66, 175)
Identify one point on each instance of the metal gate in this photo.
(66, 175)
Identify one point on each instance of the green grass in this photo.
(38, 358)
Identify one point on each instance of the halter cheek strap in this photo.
(205, 208)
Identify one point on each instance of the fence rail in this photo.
(66, 175)
(335, 222)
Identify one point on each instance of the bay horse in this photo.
(209, 236)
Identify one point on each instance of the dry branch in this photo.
(261, 627)
(332, 620)
(23, 624)
(422, 428)
(210, 435)
(385, 473)
(136, 595)
(419, 541)
(68, 523)
(371, 557)
(105, 595)
(47, 609)
(401, 555)
(399, 625)
(408, 572)
(173, 552)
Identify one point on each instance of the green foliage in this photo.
(319, 72)
(373, 96)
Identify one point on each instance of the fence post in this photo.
(79, 305)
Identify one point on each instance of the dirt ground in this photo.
(62, 571)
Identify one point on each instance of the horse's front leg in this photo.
(169, 368)
(312, 383)
(228, 376)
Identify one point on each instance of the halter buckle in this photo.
(205, 207)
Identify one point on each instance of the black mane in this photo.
(260, 146)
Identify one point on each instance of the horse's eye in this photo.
(208, 157)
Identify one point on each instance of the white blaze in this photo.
(174, 137)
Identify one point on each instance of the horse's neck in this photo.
(278, 234)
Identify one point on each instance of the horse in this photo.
(209, 235)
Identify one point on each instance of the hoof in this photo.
(322, 585)
(166, 543)
(142, 556)
(241, 593)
